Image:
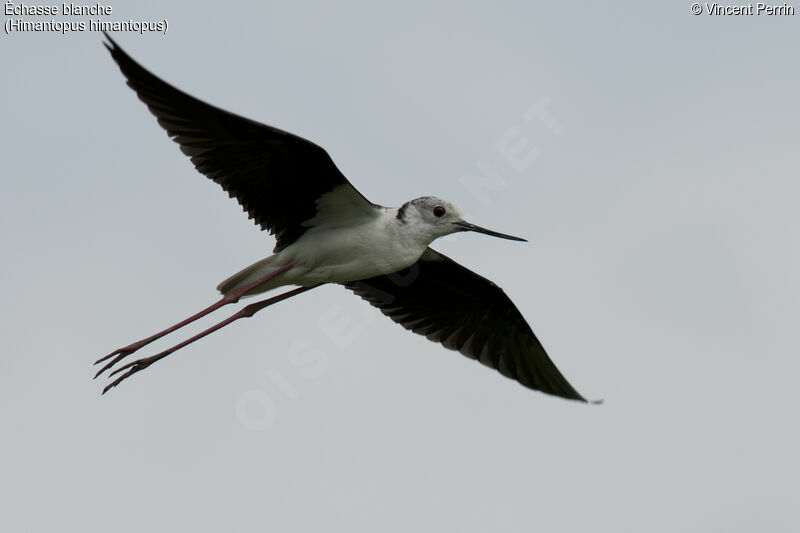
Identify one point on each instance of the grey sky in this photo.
(659, 196)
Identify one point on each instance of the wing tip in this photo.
(111, 45)
(578, 398)
(571, 394)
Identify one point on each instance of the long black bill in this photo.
(466, 226)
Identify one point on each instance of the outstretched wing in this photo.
(277, 177)
(463, 311)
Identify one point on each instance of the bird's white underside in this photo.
(348, 239)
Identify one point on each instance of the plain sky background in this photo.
(659, 195)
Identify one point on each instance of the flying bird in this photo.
(328, 232)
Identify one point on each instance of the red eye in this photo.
(438, 211)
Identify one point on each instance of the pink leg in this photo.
(231, 297)
(246, 312)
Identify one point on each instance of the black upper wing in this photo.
(275, 176)
(450, 304)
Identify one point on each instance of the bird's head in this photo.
(434, 218)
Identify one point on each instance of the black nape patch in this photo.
(401, 213)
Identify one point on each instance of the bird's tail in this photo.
(257, 270)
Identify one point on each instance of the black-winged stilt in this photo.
(327, 232)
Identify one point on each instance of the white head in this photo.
(432, 217)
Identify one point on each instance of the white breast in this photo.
(375, 246)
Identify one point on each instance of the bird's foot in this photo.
(119, 355)
(132, 368)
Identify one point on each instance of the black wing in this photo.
(450, 304)
(275, 176)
